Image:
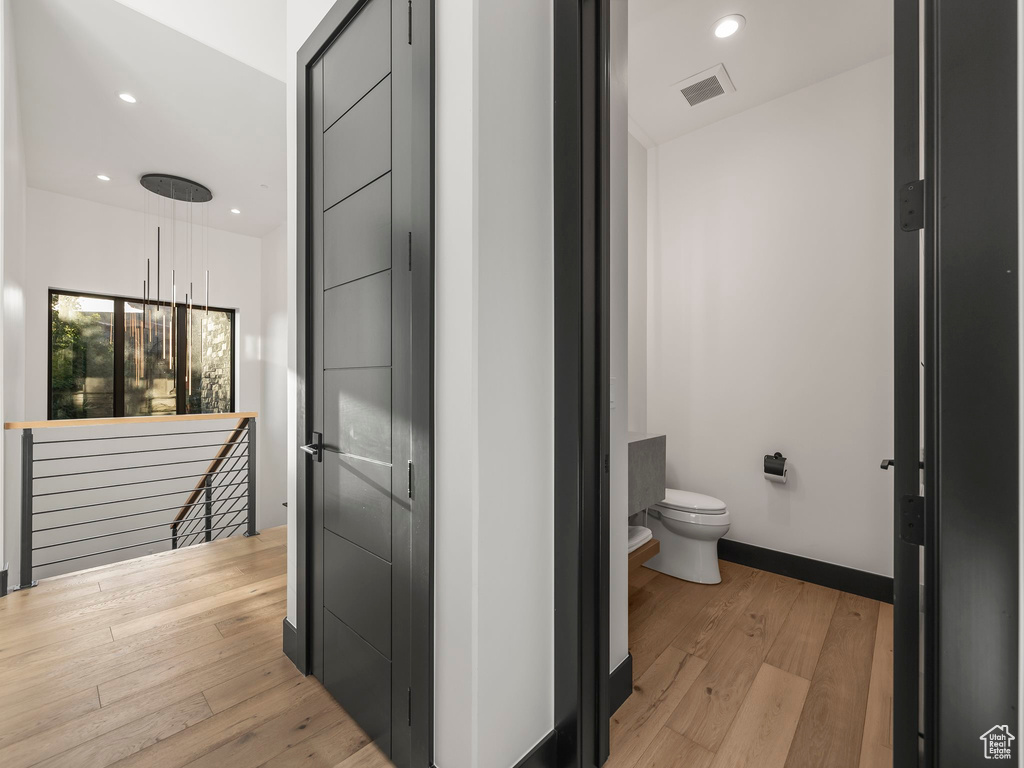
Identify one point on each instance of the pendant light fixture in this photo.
(168, 191)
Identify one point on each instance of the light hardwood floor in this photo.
(760, 671)
(175, 659)
(168, 660)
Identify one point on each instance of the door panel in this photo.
(359, 316)
(357, 149)
(359, 678)
(357, 234)
(357, 412)
(360, 320)
(361, 596)
(357, 502)
(972, 383)
(359, 60)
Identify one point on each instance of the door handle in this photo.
(315, 448)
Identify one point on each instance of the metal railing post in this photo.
(209, 510)
(250, 529)
(26, 509)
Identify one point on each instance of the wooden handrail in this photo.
(51, 423)
(222, 454)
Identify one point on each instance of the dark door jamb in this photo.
(421, 695)
(581, 247)
(907, 380)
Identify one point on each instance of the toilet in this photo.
(688, 526)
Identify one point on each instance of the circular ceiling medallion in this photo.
(176, 188)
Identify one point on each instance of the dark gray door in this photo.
(360, 354)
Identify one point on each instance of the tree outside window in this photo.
(123, 357)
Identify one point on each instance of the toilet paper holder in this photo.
(775, 469)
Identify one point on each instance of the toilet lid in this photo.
(687, 501)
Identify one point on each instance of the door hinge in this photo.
(912, 520)
(912, 206)
(607, 464)
(410, 22)
(409, 719)
(410, 251)
(410, 479)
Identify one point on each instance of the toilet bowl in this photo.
(688, 527)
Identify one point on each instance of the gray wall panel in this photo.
(359, 678)
(360, 59)
(358, 590)
(357, 234)
(357, 323)
(357, 412)
(357, 149)
(357, 502)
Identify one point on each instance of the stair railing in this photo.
(92, 493)
(232, 459)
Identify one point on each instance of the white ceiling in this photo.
(200, 113)
(252, 31)
(786, 45)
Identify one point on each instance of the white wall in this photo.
(771, 316)
(12, 199)
(514, 369)
(79, 245)
(456, 649)
(637, 200)
(619, 291)
(273, 421)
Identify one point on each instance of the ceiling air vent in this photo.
(706, 85)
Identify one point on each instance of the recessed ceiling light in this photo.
(729, 25)
(127, 97)
(102, 177)
(235, 210)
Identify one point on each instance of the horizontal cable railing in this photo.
(89, 499)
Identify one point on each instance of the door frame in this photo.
(907, 380)
(958, 166)
(581, 316)
(421, 709)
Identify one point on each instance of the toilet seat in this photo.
(689, 502)
(689, 507)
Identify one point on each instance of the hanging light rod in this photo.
(176, 187)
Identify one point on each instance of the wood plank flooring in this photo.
(760, 671)
(175, 660)
(169, 660)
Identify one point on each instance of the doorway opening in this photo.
(751, 348)
(751, 266)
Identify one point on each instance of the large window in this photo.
(121, 357)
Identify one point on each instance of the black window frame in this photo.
(180, 318)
